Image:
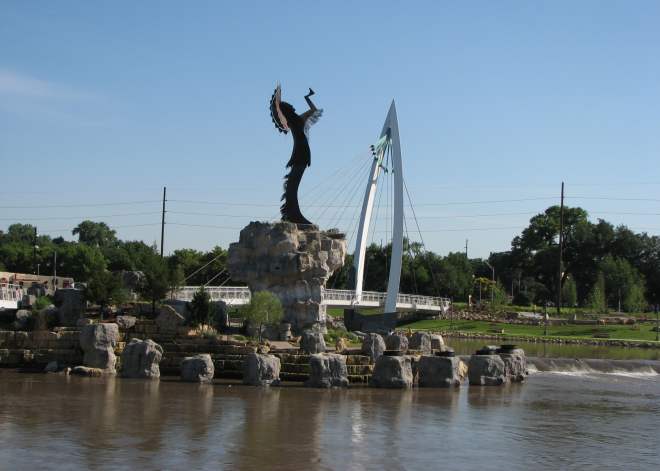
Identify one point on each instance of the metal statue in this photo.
(285, 118)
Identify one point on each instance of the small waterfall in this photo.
(591, 366)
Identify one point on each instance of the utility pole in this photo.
(466, 245)
(162, 224)
(492, 289)
(55, 271)
(35, 269)
(561, 249)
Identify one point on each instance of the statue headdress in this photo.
(276, 113)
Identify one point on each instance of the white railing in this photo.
(10, 295)
(237, 295)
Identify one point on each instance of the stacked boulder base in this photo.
(198, 369)
(327, 370)
(261, 370)
(515, 364)
(440, 372)
(373, 346)
(397, 341)
(98, 342)
(70, 306)
(487, 370)
(141, 359)
(291, 261)
(392, 372)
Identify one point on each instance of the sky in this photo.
(104, 104)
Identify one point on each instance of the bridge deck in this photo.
(239, 295)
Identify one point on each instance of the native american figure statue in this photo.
(286, 119)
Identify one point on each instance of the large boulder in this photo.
(486, 370)
(45, 318)
(439, 372)
(327, 370)
(291, 261)
(70, 304)
(312, 341)
(126, 322)
(392, 372)
(420, 341)
(198, 369)
(141, 359)
(261, 370)
(169, 320)
(98, 342)
(373, 346)
(515, 363)
(397, 341)
(24, 320)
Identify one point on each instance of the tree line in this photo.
(603, 265)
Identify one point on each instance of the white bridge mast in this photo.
(389, 140)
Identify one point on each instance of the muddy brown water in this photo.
(553, 421)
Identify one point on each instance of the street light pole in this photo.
(657, 324)
(492, 288)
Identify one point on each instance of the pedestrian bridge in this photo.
(239, 295)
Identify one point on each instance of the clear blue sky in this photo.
(497, 101)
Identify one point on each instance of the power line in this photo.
(79, 205)
(53, 218)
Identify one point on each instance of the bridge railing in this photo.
(229, 294)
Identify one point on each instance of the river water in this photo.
(552, 421)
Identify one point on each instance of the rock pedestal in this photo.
(392, 372)
(312, 341)
(261, 370)
(439, 372)
(291, 261)
(420, 341)
(487, 370)
(515, 364)
(327, 370)
(141, 359)
(198, 369)
(98, 343)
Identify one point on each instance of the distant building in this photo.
(27, 280)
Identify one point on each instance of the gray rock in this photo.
(421, 341)
(221, 315)
(312, 341)
(261, 370)
(168, 319)
(392, 372)
(285, 331)
(198, 369)
(98, 343)
(45, 318)
(23, 320)
(293, 262)
(86, 371)
(52, 367)
(373, 346)
(125, 322)
(515, 364)
(83, 321)
(437, 342)
(439, 372)
(327, 370)
(486, 370)
(141, 359)
(70, 304)
(397, 341)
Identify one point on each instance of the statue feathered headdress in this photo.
(276, 113)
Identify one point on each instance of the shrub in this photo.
(200, 309)
(264, 309)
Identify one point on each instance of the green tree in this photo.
(200, 309)
(105, 288)
(263, 309)
(97, 234)
(156, 281)
(569, 293)
(623, 283)
(597, 300)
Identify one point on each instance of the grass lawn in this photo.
(623, 332)
(339, 311)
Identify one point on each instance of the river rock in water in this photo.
(515, 364)
(261, 370)
(198, 369)
(439, 372)
(486, 370)
(141, 359)
(392, 372)
(98, 342)
(327, 370)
